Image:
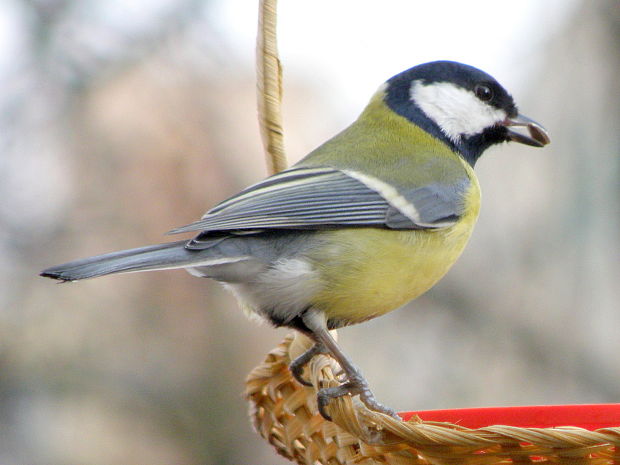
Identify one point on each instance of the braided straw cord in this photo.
(269, 83)
(285, 414)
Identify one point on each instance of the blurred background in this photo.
(120, 120)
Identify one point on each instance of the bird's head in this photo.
(461, 105)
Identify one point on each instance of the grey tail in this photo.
(154, 257)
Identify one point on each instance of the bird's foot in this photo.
(297, 366)
(357, 385)
(316, 323)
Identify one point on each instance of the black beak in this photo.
(537, 135)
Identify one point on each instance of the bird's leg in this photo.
(316, 322)
(297, 366)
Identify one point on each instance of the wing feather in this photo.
(314, 198)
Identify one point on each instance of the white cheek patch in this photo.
(457, 111)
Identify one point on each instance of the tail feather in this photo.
(154, 257)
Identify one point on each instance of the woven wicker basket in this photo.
(285, 414)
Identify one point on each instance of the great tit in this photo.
(365, 223)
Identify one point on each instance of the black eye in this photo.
(483, 92)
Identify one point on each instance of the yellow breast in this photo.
(368, 272)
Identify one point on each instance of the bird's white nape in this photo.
(457, 111)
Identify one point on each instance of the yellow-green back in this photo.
(391, 148)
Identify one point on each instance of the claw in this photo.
(369, 400)
(297, 366)
(297, 371)
(327, 394)
(357, 387)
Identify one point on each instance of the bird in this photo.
(363, 224)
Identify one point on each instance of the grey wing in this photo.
(317, 198)
(438, 205)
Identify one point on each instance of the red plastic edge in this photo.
(591, 417)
